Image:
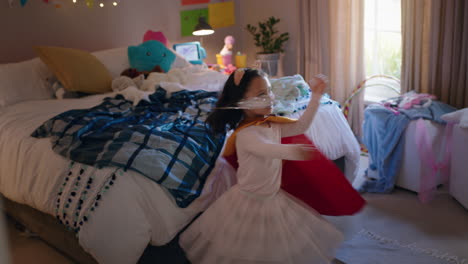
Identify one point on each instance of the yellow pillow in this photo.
(77, 70)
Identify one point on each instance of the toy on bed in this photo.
(133, 73)
(149, 54)
(136, 83)
(132, 78)
(155, 35)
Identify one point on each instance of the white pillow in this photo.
(458, 117)
(115, 60)
(23, 81)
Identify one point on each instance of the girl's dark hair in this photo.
(222, 120)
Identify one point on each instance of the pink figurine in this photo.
(226, 52)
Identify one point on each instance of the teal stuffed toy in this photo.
(150, 54)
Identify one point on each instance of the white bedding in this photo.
(334, 138)
(196, 77)
(135, 211)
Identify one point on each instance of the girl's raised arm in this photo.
(255, 143)
(293, 129)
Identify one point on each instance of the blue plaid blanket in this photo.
(165, 139)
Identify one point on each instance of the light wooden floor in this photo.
(441, 224)
(25, 249)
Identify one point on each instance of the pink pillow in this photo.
(152, 35)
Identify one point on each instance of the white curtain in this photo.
(435, 49)
(332, 42)
(313, 40)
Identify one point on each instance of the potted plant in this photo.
(266, 37)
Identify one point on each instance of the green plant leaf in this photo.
(267, 37)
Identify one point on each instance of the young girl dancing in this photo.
(255, 222)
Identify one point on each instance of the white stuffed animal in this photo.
(123, 82)
(135, 95)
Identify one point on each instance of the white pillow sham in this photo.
(115, 60)
(24, 81)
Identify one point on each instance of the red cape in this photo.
(319, 182)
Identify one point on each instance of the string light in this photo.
(89, 3)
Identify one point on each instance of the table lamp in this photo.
(202, 28)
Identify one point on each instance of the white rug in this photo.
(367, 247)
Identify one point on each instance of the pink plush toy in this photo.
(152, 35)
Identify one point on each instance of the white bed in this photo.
(137, 207)
(136, 211)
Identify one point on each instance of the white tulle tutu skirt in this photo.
(245, 228)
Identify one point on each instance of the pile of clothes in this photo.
(383, 133)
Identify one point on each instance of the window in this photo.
(382, 50)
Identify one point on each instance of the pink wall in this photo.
(102, 28)
(76, 26)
